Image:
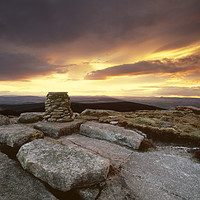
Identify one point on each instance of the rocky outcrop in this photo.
(30, 117)
(115, 153)
(57, 107)
(178, 126)
(4, 120)
(55, 129)
(112, 133)
(16, 183)
(63, 167)
(193, 109)
(168, 173)
(152, 175)
(15, 135)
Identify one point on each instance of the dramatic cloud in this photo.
(189, 63)
(96, 39)
(23, 66)
(44, 22)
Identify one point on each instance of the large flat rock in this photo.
(15, 183)
(15, 135)
(56, 129)
(63, 167)
(115, 153)
(167, 173)
(176, 174)
(112, 133)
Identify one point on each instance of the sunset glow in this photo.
(100, 48)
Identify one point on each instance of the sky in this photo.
(100, 47)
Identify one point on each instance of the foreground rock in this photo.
(115, 153)
(178, 126)
(112, 133)
(15, 135)
(167, 173)
(16, 184)
(4, 120)
(30, 117)
(63, 167)
(56, 129)
(162, 175)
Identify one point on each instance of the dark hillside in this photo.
(77, 107)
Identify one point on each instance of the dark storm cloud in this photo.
(148, 67)
(43, 22)
(23, 66)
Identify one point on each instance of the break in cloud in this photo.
(92, 28)
(187, 64)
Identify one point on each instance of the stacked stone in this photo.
(57, 107)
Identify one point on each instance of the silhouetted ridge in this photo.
(77, 107)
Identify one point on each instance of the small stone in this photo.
(114, 122)
(4, 120)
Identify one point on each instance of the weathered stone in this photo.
(117, 189)
(4, 120)
(97, 113)
(63, 167)
(15, 183)
(56, 129)
(112, 133)
(153, 175)
(30, 117)
(15, 135)
(88, 193)
(168, 173)
(115, 153)
(14, 120)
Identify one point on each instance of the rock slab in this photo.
(56, 129)
(63, 167)
(15, 135)
(112, 133)
(15, 183)
(30, 117)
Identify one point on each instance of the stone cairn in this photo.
(57, 107)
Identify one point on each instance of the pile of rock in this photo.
(57, 107)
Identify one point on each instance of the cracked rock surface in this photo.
(168, 173)
(112, 133)
(15, 135)
(56, 129)
(63, 167)
(15, 183)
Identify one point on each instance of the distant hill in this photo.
(76, 107)
(11, 100)
(164, 102)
